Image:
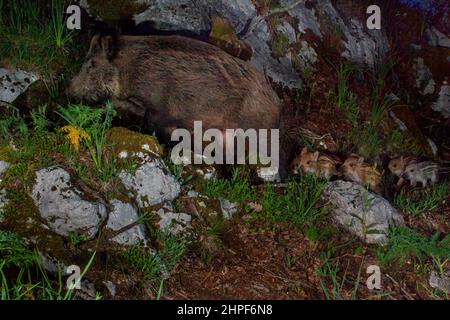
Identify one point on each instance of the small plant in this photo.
(298, 205)
(418, 203)
(75, 239)
(34, 36)
(11, 124)
(329, 272)
(236, 189)
(280, 44)
(144, 261)
(14, 252)
(155, 265)
(405, 243)
(61, 35)
(89, 126)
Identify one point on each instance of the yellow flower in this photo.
(75, 135)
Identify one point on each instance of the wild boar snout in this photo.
(98, 79)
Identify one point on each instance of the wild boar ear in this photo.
(107, 47)
(95, 44)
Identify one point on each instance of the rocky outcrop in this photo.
(121, 216)
(13, 83)
(173, 222)
(63, 206)
(442, 104)
(256, 28)
(151, 184)
(361, 212)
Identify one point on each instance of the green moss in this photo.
(122, 139)
(280, 44)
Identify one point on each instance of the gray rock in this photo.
(122, 215)
(51, 264)
(280, 70)
(195, 17)
(3, 167)
(270, 174)
(437, 38)
(306, 57)
(87, 291)
(228, 208)
(151, 184)
(14, 82)
(111, 288)
(306, 18)
(441, 282)
(169, 15)
(192, 194)
(173, 222)
(424, 78)
(442, 104)
(368, 47)
(3, 200)
(363, 213)
(61, 205)
(286, 29)
(365, 48)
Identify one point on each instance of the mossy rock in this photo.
(115, 10)
(224, 36)
(133, 143)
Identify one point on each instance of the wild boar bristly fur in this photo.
(172, 81)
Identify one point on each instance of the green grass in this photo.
(154, 266)
(421, 201)
(299, 204)
(398, 142)
(35, 35)
(31, 281)
(236, 189)
(405, 243)
(332, 284)
(364, 135)
(280, 44)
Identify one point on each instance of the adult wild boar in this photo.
(172, 81)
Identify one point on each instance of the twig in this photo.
(401, 288)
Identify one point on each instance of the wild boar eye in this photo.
(309, 162)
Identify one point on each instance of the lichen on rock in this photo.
(151, 184)
(62, 205)
(126, 143)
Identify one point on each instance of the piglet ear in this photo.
(95, 45)
(304, 150)
(361, 160)
(107, 44)
(316, 155)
